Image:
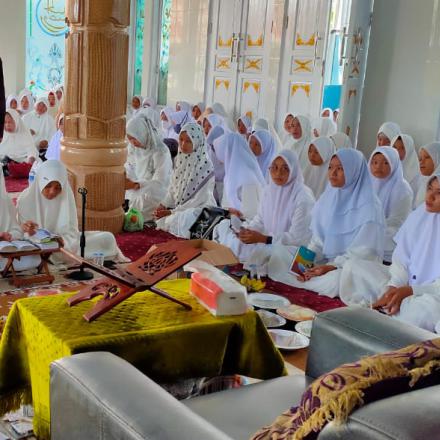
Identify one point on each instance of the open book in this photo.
(43, 236)
(303, 260)
(17, 246)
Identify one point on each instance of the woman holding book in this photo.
(49, 203)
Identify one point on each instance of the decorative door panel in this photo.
(355, 59)
(222, 91)
(250, 97)
(302, 61)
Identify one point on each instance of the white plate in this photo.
(267, 300)
(304, 328)
(288, 340)
(271, 319)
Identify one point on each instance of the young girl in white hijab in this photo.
(49, 203)
(341, 140)
(192, 184)
(135, 106)
(327, 112)
(404, 144)
(12, 102)
(53, 104)
(54, 148)
(410, 291)
(321, 150)
(299, 140)
(149, 167)
(198, 110)
(392, 190)
(10, 229)
(25, 102)
(387, 131)
(168, 131)
(284, 213)
(244, 182)
(244, 126)
(40, 123)
(429, 160)
(262, 144)
(348, 226)
(17, 143)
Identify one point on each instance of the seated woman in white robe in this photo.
(392, 190)
(192, 184)
(321, 150)
(149, 167)
(53, 104)
(49, 203)
(244, 126)
(17, 143)
(283, 217)
(411, 289)
(341, 140)
(262, 144)
(25, 102)
(387, 131)
(41, 124)
(10, 230)
(429, 161)
(197, 110)
(244, 182)
(167, 124)
(54, 148)
(12, 102)
(300, 132)
(404, 144)
(348, 225)
(324, 126)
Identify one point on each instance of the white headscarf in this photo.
(135, 111)
(340, 213)
(246, 120)
(58, 215)
(301, 145)
(168, 126)
(410, 163)
(215, 121)
(241, 166)
(23, 93)
(394, 187)
(212, 140)
(10, 99)
(341, 140)
(324, 126)
(43, 125)
(278, 203)
(184, 106)
(148, 102)
(218, 109)
(316, 176)
(433, 149)
(8, 216)
(192, 171)
(152, 114)
(389, 129)
(268, 149)
(418, 247)
(54, 148)
(201, 106)
(18, 146)
(330, 110)
(260, 124)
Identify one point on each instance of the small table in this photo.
(160, 338)
(43, 274)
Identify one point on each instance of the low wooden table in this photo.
(43, 274)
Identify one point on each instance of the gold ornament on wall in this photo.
(302, 66)
(301, 42)
(305, 87)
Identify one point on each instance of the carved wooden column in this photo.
(94, 147)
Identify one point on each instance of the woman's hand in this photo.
(248, 236)
(316, 271)
(5, 236)
(391, 300)
(29, 227)
(235, 212)
(129, 184)
(161, 211)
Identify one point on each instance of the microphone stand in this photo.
(82, 274)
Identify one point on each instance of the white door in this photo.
(238, 55)
(302, 63)
(354, 57)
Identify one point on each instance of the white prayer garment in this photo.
(28, 94)
(54, 148)
(390, 130)
(268, 149)
(301, 144)
(42, 124)
(167, 125)
(341, 140)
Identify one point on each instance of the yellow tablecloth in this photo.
(160, 338)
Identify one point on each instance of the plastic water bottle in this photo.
(31, 177)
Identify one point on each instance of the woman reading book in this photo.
(49, 203)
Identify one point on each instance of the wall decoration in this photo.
(45, 30)
(222, 43)
(301, 42)
(223, 64)
(255, 43)
(302, 65)
(296, 87)
(219, 82)
(253, 64)
(351, 92)
(139, 48)
(255, 85)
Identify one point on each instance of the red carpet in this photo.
(16, 184)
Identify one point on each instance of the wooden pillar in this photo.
(94, 147)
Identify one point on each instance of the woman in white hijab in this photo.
(387, 131)
(218, 109)
(348, 227)
(40, 123)
(324, 127)
(149, 167)
(135, 106)
(321, 150)
(198, 110)
(283, 216)
(149, 102)
(244, 126)
(53, 104)
(25, 102)
(429, 159)
(59, 92)
(299, 140)
(149, 111)
(192, 184)
(17, 143)
(341, 140)
(167, 124)
(404, 144)
(49, 203)
(10, 229)
(327, 112)
(260, 124)
(54, 148)
(244, 182)
(262, 144)
(12, 102)
(392, 190)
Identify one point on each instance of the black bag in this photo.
(178, 127)
(206, 222)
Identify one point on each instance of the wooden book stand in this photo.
(118, 285)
